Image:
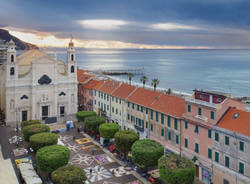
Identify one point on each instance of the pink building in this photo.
(203, 111)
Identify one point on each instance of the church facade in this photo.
(37, 86)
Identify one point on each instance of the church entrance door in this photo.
(24, 116)
(45, 112)
(62, 111)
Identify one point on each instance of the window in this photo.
(177, 139)
(199, 111)
(104, 96)
(169, 136)
(216, 157)
(226, 140)
(113, 109)
(146, 110)
(138, 107)
(152, 114)
(141, 108)
(107, 107)
(98, 104)
(146, 124)
(116, 100)
(120, 101)
(95, 102)
(128, 104)
(216, 136)
(72, 57)
(212, 114)
(169, 121)
(186, 143)
(196, 130)
(186, 125)
(12, 71)
(99, 94)
(227, 161)
(133, 106)
(107, 97)
(112, 98)
(157, 116)
(209, 133)
(128, 116)
(95, 92)
(189, 108)
(12, 58)
(72, 69)
(162, 132)
(104, 107)
(196, 148)
(116, 111)
(241, 146)
(151, 127)
(225, 181)
(162, 118)
(241, 168)
(175, 124)
(209, 153)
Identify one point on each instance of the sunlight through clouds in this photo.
(173, 26)
(104, 24)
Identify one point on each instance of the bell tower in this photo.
(11, 64)
(71, 60)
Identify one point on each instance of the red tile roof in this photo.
(98, 85)
(144, 97)
(109, 87)
(91, 84)
(123, 91)
(172, 105)
(241, 124)
(82, 75)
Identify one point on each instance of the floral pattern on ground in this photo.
(66, 138)
(82, 160)
(74, 148)
(83, 141)
(98, 173)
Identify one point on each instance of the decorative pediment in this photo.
(44, 80)
(24, 97)
(62, 94)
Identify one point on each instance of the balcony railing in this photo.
(141, 129)
(200, 102)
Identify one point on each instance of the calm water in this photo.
(181, 70)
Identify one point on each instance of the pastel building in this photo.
(202, 112)
(231, 148)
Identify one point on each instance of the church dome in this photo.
(11, 43)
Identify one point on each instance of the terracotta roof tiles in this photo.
(83, 76)
(109, 87)
(123, 91)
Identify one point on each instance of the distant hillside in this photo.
(20, 45)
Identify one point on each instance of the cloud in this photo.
(173, 27)
(102, 24)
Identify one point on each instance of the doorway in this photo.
(197, 170)
(62, 111)
(45, 112)
(24, 115)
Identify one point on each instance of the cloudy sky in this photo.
(130, 23)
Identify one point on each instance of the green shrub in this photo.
(174, 169)
(68, 175)
(146, 152)
(31, 122)
(124, 139)
(49, 158)
(81, 115)
(40, 140)
(93, 122)
(34, 129)
(108, 130)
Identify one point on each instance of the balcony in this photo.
(200, 102)
(203, 118)
(141, 129)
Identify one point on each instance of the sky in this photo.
(150, 24)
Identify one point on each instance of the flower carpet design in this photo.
(103, 159)
(119, 171)
(82, 160)
(83, 141)
(135, 182)
(65, 138)
(74, 148)
(98, 173)
(90, 148)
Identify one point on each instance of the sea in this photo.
(181, 70)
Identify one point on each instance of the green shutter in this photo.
(175, 124)
(226, 140)
(169, 121)
(216, 136)
(151, 127)
(186, 143)
(162, 118)
(162, 132)
(209, 133)
(196, 129)
(141, 108)
(241, 146)
(189, 108)
(157, 116)
(128, 116)
(177, 139)
(146, 124)
(199, 111)
(212, 115)
(241, 168)
(138, 107)
(128, 104)
(146, 110)
(216, 154)
(227, 161)
(152, 114)
(186, 124)
(196, 148)
(169, 135)
(209, 153)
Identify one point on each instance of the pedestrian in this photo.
(78, 129)
(74, 138)
(90, 171)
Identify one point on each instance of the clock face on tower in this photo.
(44, 80)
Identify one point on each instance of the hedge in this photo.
(81, 115)
(146, 152)
(108, 130)
(34, 129)
(92, 123)
(68, 175)
(49, 158)
(174, 169)
(124, 139)
(40, 140)
(31, 122)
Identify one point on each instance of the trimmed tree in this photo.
(93, 123)
(40, 140)
(81, 115)
(146, 152)
(49, 158)
(176, 170)
(28, 123)
(68, 174)
(108, 130)
(30, 130)
(124, 140)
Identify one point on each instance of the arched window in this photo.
(12, 58)
(12, 71)
(72, 57)
(72, 69)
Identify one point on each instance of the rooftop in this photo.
(92, 84)
(83, 76)
(236, 121)
(109, 86)
(124, 90)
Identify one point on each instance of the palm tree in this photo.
(154, 83)
(144, 79)
(130, 76)
(169, 91)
